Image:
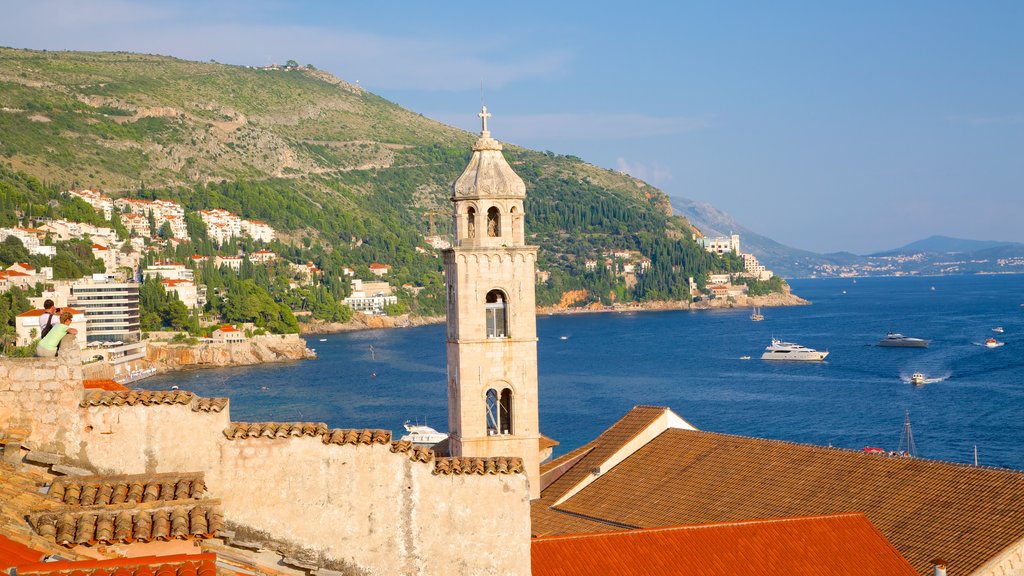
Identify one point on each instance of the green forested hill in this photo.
(348, 177)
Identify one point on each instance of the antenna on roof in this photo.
(907, 437)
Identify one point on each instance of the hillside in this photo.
(347, 177)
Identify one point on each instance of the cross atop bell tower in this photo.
(492, 325)
(484, 115)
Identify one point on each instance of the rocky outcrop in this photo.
(166, 357)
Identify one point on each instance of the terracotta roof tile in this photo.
(416, 453)
(89, 527)
(925, 508)
(152, 398)
(14, 553)
(837, 545)
(274, 429)
(346, 436)
(176, 565)
(472, 465)
(128, 489)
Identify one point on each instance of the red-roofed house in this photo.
(175, 565)
(379, 269)
(27, 326)
(103, 384)
(834, 545)
(262, 256)
(186, 290)
(228, 334)
(108, 256)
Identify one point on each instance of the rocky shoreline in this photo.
(363, 322)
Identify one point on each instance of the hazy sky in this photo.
(827, 126)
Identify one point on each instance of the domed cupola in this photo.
(488, 196)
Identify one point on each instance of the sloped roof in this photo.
(837, 545)
(175, 565)
(925, 508)
(40, 312)
(103, 384)
(14, 553)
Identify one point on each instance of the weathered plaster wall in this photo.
(363, 506)
(1009, 562)
(37, 395)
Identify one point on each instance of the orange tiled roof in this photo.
(14, 553)
(176, 565)
(274, 429)
(10, 273)
(837, 545)
(89, 527)
(99, 247)
(925, 508)
(377, 266)
(20, 496)
(128, 489)
(103, 384)
(150, 398)
(40, 312)
(228, 328)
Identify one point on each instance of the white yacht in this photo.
(422, 435)
(779, 350)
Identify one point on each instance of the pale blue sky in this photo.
(828, 126)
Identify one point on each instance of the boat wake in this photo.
(989, 344)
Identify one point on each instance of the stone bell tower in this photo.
(492, 325)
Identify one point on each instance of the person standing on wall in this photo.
(60, 337)
(49, 318)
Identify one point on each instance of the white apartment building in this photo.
(108, 256)
(99, 201)
(722, 244)
(66, 230)
(162, 211)
(755, 268)
(370, 297)
(258, 230)
(222, 225)
(137, 224)
(168, 270)
(262, 256)
(29, 239)
(233, 262)
(187, 291)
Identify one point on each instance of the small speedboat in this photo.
(917, 379)
(563, 337)
(992, 343)
(998, 330)
(323, 339)
(744, 357)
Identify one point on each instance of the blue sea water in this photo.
(690, 362)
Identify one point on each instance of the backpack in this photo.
(46, 329)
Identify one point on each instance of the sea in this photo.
(594, 367)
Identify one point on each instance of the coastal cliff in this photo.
(167, 357)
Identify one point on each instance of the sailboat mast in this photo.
(907, 437)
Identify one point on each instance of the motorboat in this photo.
(998, 330)
(422, 435)
(323, 339)
(744, 357)
(779, 350)
(917, 379)
(992, 343)
(896, 340)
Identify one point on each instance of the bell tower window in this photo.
(496, 313)
(493, 222)
(471, 222)
(499, 412)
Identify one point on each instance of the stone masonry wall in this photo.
(361, 506)
(36, 397)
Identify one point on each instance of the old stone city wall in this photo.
(359, 503)
(37, 395)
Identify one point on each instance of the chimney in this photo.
(940, 567)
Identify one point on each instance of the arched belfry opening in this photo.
(493, 222)
(499, 411)
(496, 314)
(471, 222)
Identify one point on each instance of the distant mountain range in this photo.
(936, 255)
